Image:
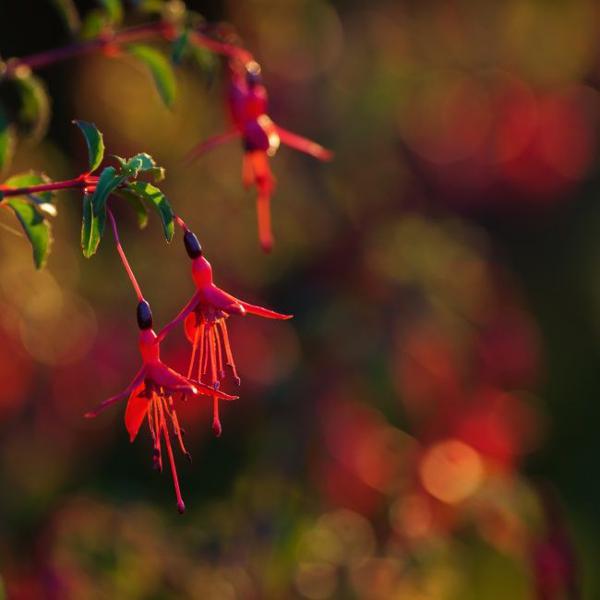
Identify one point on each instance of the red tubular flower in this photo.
(248, 101)
(150, 395)
(205, 325)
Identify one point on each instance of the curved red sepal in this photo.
(190, 325)
(259, 311)
(136, 411)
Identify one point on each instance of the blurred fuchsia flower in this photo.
(205, 325)
(150, 395)
(261, 137)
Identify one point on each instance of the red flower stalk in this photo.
(150, 396)
(261, 138)
(205, 323)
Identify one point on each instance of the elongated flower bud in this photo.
(192, 245)
(144, 315)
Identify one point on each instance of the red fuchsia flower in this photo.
(205, 323)
(261, 137)
(150, 396)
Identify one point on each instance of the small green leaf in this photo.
(160, 68)
(114, 10)
(36, 228)
(180, 47)
(87, 243)
(90, 235)
(156, 174)
(34, 111)
(108, 182)
(95, 143)
(43, 200)
(7, 140)
(141, 211)
(158, 200)
(137, 163)
(93, 25)
(69, 14)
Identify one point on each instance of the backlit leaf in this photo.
(108, 182)
(36, 228)
(159, 202)
(95, 143)
(134, 200)
(160, 68)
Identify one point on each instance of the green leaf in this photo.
(43, 200)
(156, 174)
(160, 68)
(34, 111)
(114, 10)
(108, 182)
(158, 200)
(180, 47)
(90, 235)
(141, 211)
(7, 140)
(95, 143)
(69, 14)
(93, 25)
(137, 163)
(36, 228)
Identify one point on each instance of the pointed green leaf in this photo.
(95, 143)
(141, 211)
(93, 24)
(158, 200)
(29, 178)
(108, 182)
(69, 14)
(180, 47)
(160, 68)
(137, 163)
(156, 174)
(43, 200)
(35, 227)
(90, 234)
(114, 10)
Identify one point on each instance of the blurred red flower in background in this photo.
(248, 102)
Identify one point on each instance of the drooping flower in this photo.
(151, 396)
(205, 323)
(261, 137)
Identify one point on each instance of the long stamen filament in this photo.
(165, 432)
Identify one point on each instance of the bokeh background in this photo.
(426, 427)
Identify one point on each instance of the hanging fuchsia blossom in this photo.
(205, 317)
(261, 137)
(151, 396)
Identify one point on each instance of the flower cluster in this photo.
(152, 393)
(261, 138)
(157, 389)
